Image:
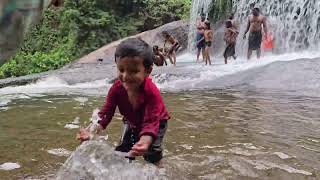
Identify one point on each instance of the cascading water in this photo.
(294, 23)
(198, 7)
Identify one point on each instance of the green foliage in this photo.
(160, 12)
(220, 9)
(82, 26)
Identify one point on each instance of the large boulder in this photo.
(178, 29)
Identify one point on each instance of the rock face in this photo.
(178, 29)
(97, 160)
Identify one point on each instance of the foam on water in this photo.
(265, 165)
(81, 100)
(282, 155)
(188, 75)
(71, 126)
(9, 166)
(59, 152)
(199, 76)
(54, 85)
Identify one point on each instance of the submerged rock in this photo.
(97, 160)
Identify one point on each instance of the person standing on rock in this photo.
(200, 43)
(208, 36)
(230, 37)
(174, 47)
(256, 23)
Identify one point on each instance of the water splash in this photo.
(9, 166)
(198, 7)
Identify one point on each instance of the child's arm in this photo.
(265, 28)
(105, 115)
(164, 45)
(247, 29)
(234, 30)
(225, 35)
(211, 35)
(108, 107)
(200, 40)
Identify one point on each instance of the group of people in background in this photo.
(161, 54)
(258, 36)
(204, 39)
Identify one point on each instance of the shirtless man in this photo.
(200, 39)
(255, 24)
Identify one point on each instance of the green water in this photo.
(212, 135)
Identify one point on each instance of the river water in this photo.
(244, 120)
(254, 119)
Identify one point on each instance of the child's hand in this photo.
(83, 135)
(141, 147)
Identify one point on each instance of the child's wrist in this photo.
(146, 139)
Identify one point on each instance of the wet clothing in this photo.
(229, 51)
(230, 36)
(208, 43)
(255, 39)
(201, 44)
(146, 118)
(130, 137)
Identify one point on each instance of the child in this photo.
(208, 35)
(159, 58)
(230, 36)
(175, 46)
(138, 100)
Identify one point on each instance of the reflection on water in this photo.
(212, 135)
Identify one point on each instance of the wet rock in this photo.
(178, 29)
(97, 160)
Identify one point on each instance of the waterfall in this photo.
(198, 6)
(294, 23)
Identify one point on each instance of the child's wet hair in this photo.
(135, 47)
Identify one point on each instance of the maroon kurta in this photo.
(145, 119)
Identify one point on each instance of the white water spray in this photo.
(295, 23)
(198, 7)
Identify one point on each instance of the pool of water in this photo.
(213, 134)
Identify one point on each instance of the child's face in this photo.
(132, 72)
